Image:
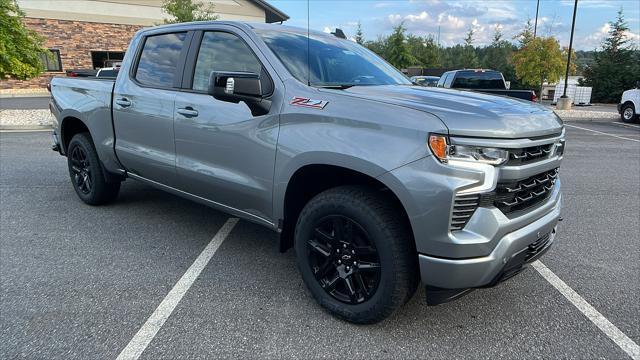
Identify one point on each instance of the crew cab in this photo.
(375, 183)
(482, 80)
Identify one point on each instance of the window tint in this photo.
(159, 59)
(449, 79)
(222, 51)
(479, 80)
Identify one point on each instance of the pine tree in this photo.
(615, 68)
(397, 50)
(359, 34)
(526, 35)
(469, 58)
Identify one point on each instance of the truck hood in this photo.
(468, 113)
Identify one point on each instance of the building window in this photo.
(51, 61)
(103, 59)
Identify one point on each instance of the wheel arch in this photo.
(310, 179)
(70, 126)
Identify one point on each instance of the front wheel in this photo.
(356, 254)
(86, 173)
(628, 113)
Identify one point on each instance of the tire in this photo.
(86, 173)
(628, 113)
(356, 226)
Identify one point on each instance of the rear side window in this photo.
(221, 51)
(479, 80)
(159, 59)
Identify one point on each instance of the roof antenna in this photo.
(339, 34)
(308, 56)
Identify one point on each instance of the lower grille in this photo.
(520, 195)
(463, 208)
(537, 246)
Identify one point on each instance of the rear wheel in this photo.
(356, 254)
(628, 114)
(86, 172)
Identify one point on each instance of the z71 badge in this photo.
(306, 102)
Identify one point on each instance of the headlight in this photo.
(445, 152)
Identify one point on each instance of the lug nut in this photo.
(344, 246)
(347, 268)
(353, 251)
(339, 261)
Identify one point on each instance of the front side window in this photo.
(221, 51)
(159, 59)
(331, 61)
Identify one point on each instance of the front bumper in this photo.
(511, 254)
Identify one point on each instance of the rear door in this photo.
(144, 106)
(223, 152)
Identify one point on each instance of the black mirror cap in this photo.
(245, 86)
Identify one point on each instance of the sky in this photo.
(454, 18)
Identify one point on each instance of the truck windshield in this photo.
(333, 62)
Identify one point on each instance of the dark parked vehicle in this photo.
(486, 81)
(376, 183)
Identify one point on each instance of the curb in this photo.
(9, 96)
(17, 128)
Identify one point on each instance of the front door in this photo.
(143, 109)
(223, 152)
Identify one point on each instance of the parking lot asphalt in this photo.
(78, 281)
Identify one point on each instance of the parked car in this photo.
(374, 182)
(481, 80)
(629, 104)
(425, 80)
(110, 72)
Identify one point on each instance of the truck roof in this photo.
(249, 26)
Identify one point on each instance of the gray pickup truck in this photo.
(376, 183)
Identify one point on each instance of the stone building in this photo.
(90, 34)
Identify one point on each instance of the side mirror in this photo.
(235, 87)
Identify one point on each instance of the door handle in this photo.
(124, 102)
(188, 112)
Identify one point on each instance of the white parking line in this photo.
(602, 133)
(625, 125)
(622, 340)
(148, 331)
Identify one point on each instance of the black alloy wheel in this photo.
(343, 259)
(81, 168)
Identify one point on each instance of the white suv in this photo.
(629, 104)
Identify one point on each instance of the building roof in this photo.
(272, 13)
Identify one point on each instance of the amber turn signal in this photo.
(438, 145)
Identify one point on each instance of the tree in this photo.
(497, 56)
(188, 10)
(397, 50)
(469, 58)
(359, 34)
(526, 35)
(424, 50)
(20, 47)
(540, 60)
(615, 68)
